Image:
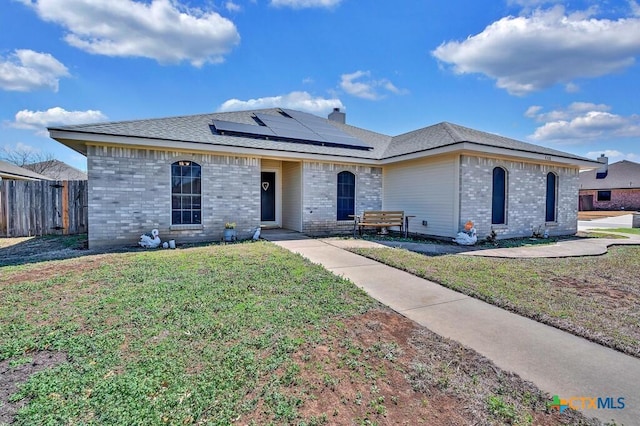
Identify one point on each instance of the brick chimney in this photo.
(337, 116)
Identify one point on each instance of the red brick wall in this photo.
(627, 199)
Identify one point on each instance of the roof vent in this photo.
(603, 170)
(337, 116)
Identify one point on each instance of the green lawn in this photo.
(167, 336)
(235, 334)
(594, 297)
(635, 231)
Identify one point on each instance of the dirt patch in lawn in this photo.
(15, 372)
(18, 251)
(46, 270)
(382, 368)
(607, 295)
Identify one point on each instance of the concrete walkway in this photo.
(566, 248)
(557, 362)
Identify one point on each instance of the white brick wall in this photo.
(526, 197)
(320, 195)
(130, 194)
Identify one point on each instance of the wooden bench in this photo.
(378, 219)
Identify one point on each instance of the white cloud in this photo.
(571, 88)
(26, 70)
(303, 4)
(40, 120)
(302, 101)
(582, 122)
(232, 7)
(360, 89)
(366, 87)
(529, 53)
(572, 111)
(635, 7)
(162, 30)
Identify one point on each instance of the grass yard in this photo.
(634, 231)
(594, 297)
(236, 334)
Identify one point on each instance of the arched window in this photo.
(346, 195)
(552, 190)
(499, 197)
(186, 193)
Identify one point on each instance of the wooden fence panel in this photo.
(3, 208)
(30, 208)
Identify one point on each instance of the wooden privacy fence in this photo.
(29, 208)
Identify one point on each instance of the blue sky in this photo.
(559, 74)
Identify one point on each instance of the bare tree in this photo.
(35, 161)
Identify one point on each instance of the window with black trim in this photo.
(552, 190)
(499, 197)
(604, 195)
(346, 195)
(186, 193)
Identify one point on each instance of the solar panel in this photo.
(350, 141)
(231, 127)
(280, 122)
(302, 135)
(293, 127)
(273, 117)
(305, 118)
(326, 131)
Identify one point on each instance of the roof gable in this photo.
(11, 171)
(620, 175)
(445, 134)
(58, 170)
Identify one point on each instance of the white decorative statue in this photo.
(256, 234)
(152, 241)
(468, 237)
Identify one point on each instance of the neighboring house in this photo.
(57, 170)
(611, 187)
(187, 176)
(12, 172)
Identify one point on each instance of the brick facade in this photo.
(621, 199)
(130, 194)
(526, 197)
(320, 194)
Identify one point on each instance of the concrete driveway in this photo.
(623, 221)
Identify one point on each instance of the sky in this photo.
(561, 74)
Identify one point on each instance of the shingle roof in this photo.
(11, 171)
(623, 174)
(196, 128)
(444, 134)
(58, 170)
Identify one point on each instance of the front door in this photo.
(268, 197)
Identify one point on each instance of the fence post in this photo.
(4, 212)
(6, 197)
(65, 207)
